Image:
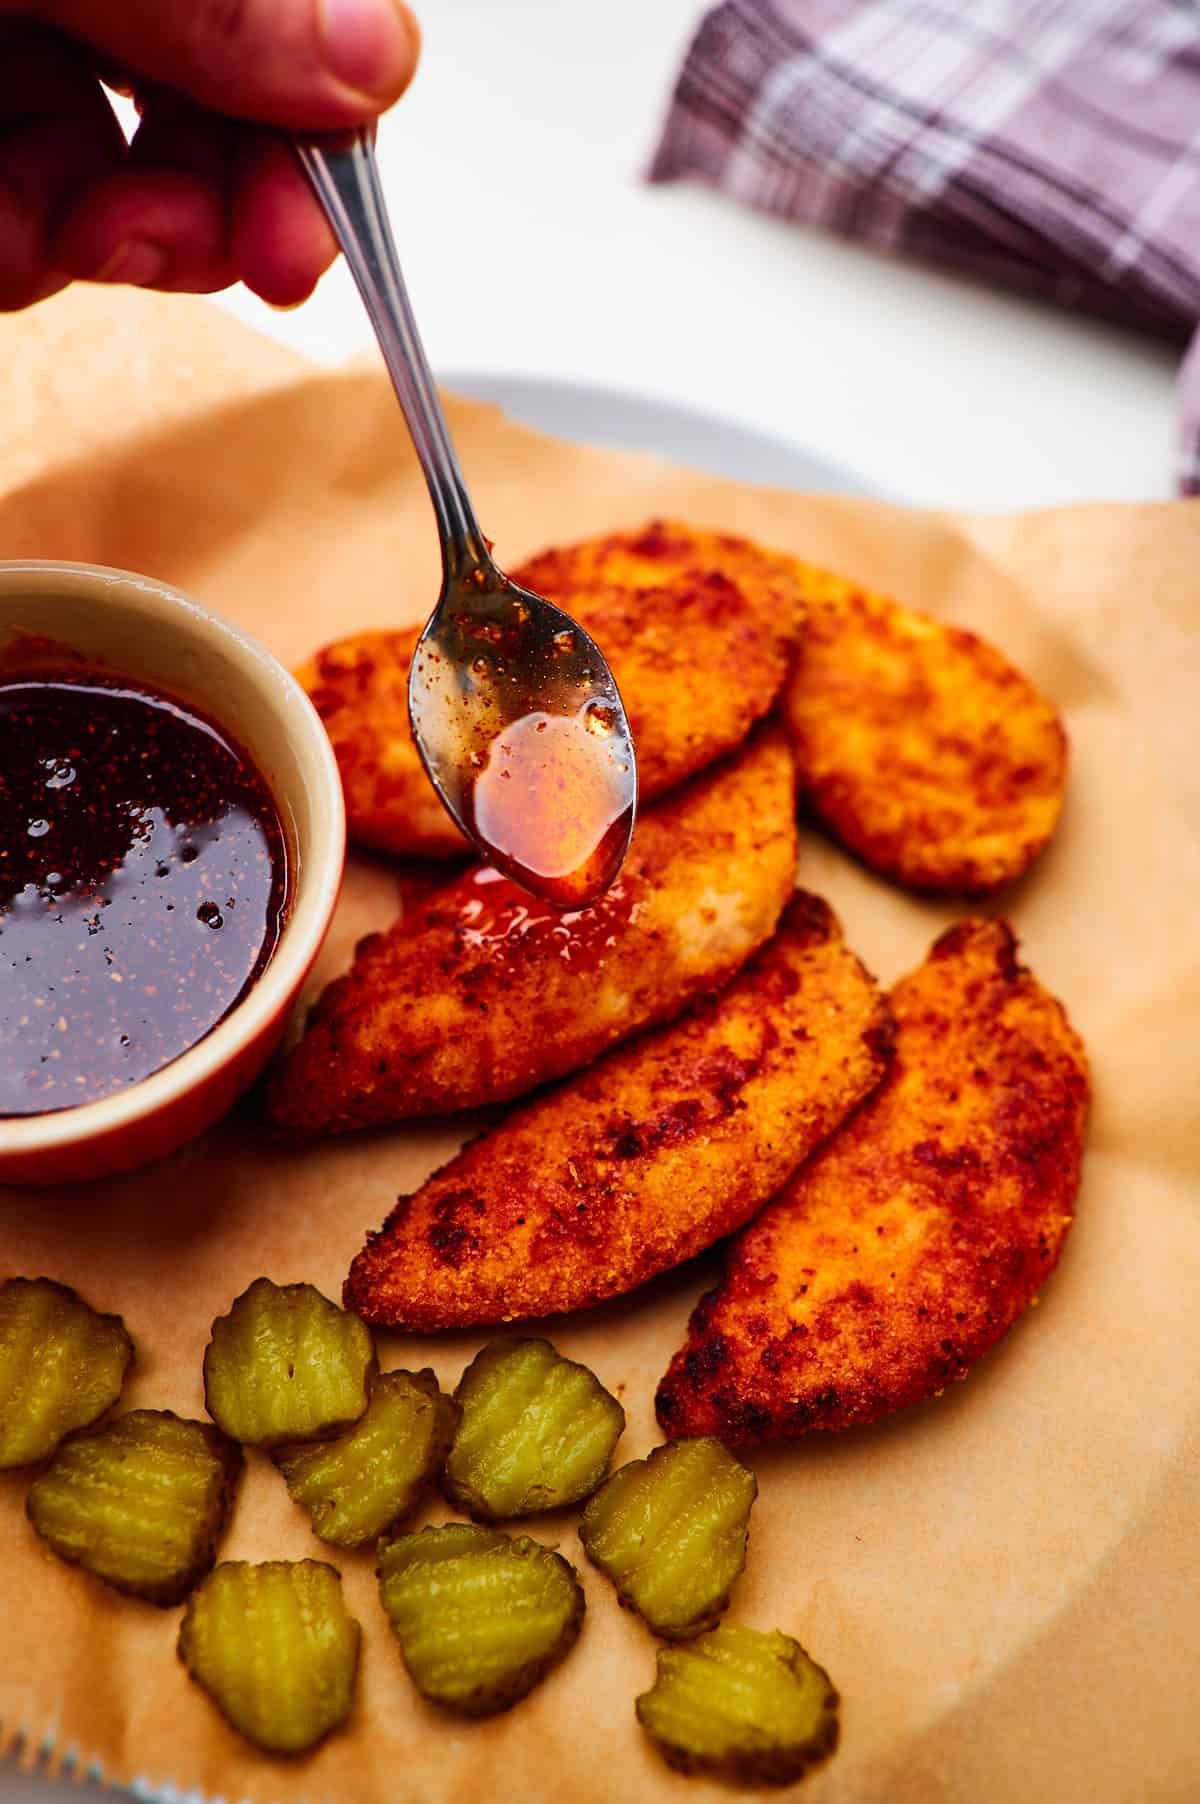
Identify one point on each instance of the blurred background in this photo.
(533, 246)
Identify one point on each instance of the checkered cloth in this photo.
(1049, 144)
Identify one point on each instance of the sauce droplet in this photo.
(554, 802)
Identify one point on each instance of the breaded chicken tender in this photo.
(483, 992)
(698, 629)
(657, 1151)
(913, 1240)
(919, 745)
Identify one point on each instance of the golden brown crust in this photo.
(359, 687)
(909, 1244)
(919, 745)
(697, 626)
(481, 994)
(659, 1150)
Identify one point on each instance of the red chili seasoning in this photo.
(143, 884)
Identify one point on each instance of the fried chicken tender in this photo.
(913, 1240)
(657, 1151)
(698, 629)
(919, 745)
(482, 992)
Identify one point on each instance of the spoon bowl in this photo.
(521, 728)
(515, 713)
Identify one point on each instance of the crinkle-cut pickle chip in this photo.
(140, 1502)
(480, 1617)
(369, 1478)
(275, 1648)
(670, 1532)
(741, 1705)
(286, 1364)
(61, 1366)
(537, 1432)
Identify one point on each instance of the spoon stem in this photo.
(345, 176)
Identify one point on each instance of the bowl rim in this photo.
(314, 897)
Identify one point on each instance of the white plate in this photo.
(619, 421)
(628, 422)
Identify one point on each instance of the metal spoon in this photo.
(514, 710)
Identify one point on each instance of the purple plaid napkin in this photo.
(1049, 144)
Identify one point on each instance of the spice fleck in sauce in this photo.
(143, 884)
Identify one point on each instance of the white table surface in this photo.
(532, 245)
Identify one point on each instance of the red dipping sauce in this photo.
(143, 884)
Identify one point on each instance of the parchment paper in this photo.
(1003, 1582)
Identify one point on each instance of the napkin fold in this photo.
(1052, 145)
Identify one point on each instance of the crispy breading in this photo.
(482, 992)
(698, 628)
(359, 687)
(911, 1242)
(657, 1151)
(919, 745)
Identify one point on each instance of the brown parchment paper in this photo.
(1003, 1583)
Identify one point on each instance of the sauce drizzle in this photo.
(495, 917)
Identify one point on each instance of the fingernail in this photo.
(137, 262)
(368, 44)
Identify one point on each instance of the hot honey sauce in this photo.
(528, 750)
(554, 799)
(496, 917)
(143, 884)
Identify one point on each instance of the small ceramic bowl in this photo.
(146, 630)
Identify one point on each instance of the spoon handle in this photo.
(345, 176)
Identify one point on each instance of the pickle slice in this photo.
(537, 1431)
(480, 1617)
(373, 1475)
(61, 1366)
(670, 1532)
(286, 1364)
(275, 1648)
(140, 1502)
(741, 1705)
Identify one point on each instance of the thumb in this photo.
(308, 64)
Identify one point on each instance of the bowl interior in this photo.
(148, 632)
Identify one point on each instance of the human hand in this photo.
(206, 194)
